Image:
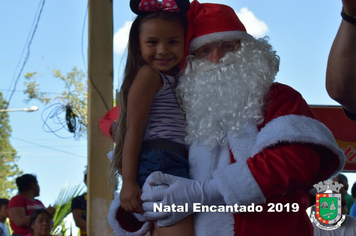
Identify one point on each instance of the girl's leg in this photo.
(183, 227)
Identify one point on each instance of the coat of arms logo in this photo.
(328, 215)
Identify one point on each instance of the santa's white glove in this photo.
(167, 189)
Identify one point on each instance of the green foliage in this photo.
(7, 223)
(8, 155)
(63, 207)
(75, 92)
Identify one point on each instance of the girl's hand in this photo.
(130, 197)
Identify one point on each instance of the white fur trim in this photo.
(118, 230)
(248, 190)
(241, 144)
(202, 164)
(298, 129)
(243, 190)
(214, 37)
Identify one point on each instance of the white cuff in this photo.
(118, 230)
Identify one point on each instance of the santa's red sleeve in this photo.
(292, 150)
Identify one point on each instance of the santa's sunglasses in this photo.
(224, 47)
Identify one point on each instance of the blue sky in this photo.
(300, 31)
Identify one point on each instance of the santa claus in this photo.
(256, 148)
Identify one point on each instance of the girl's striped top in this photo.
(166, 120)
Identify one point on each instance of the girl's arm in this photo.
(142, 91)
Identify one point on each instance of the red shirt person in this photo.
(24, 203)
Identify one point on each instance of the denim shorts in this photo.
(162, 155)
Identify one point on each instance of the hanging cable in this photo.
(27, 55)
(55, 121)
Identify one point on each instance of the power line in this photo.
(25, 91)
(61, 146)
(40, 145)
(24, 47)
(90, 79)
(27, 55)
(52, 161)
(37, 153)
(84, 62)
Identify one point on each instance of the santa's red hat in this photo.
(108, 122)
(211, 22)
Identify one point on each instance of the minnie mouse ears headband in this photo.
(141, 7)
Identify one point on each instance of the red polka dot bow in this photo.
(156, 5)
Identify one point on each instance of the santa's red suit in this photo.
(276, 162)
(273, 164)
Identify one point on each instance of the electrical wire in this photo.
(82, 44)
(54, 149)
(26, 42)
(28, 53)
(90, 79)
(53, 122)
(22, 91)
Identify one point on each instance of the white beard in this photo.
(222, 97)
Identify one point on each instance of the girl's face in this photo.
(162, 44)
(42, 225)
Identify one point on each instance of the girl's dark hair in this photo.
(24, 182)
(3, 201)
(133, 64)
(35, 214)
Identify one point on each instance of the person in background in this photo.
(3, 215)
(79, 210)
(40, 223)
(353, 208)
(342, 179)
(24, 203)
(341, 68)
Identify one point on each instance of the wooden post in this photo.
(100, 100)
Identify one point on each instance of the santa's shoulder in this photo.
(279, 89)
(282, 100)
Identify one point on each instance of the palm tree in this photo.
(63, 208)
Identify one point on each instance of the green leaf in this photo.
(63, 204)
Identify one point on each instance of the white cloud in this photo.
(254, 26)
(121, 38)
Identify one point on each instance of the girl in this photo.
(151, 128)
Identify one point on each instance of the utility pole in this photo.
(100, 100)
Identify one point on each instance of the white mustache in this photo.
(222, 97)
